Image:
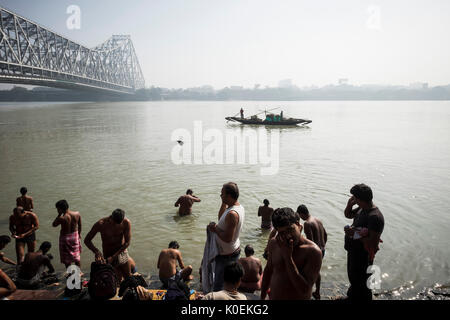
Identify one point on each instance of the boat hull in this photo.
(284, 122)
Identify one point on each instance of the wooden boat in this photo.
(270, 119)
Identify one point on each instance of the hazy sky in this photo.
(186, 43)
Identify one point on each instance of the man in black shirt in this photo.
(361, 239)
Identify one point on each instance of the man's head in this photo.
(45, 247)
(18, 210)
(4, 240)
(230, 193)
(302, 210)
(363, 194)
(266, 202)
(249, 251)
(233, 274)
(189, 192)
(287, 224)
(174, 245)
(118, 215)
(23, 191)
(62, 206)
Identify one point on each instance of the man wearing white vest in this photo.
(231, 219)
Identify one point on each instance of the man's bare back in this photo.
(33, 263)
(315, 232)
(70, 222)
(185, 202)
(266, 213)
(307, 258)
(167, 262)
(26, 202)
(252, 269)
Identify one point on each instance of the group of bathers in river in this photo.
(294, 259)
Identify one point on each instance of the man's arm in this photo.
(195, 199)
(267, 273)
(349, 212)
(231, 221)
(159, 260)
(259, 212)
(222, 209)
(6, 260)
(49, 265)
(10, 286)
(32, 203)
(12, 226)
(79, 225)
(180, 260)
(88, 242)
(178, 202)
(58, 220)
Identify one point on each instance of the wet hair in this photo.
(189, 191)
(266, 202)
(62, 204)
(233, 272)
(174, 245)
(5, 239)
(362, 192)
(45, 246)
(118, 215)
(283, 217)
(303, 209)
(231, 189)
(23, 191)
(249, 251)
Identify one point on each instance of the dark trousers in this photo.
(357, 264)
(221, 262)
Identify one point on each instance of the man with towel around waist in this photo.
(70, 235)
(231, 218)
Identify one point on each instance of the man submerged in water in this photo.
(4, 240)
(294, 262)
(167, 265)
(185, 203)
(23, 225)
(315, 232)
(115, 232)
(266, 213)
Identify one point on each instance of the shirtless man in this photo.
(185, 203)
(294, 261)
(266, 213)
(251, 280)
(4, 240)
(315, 232)
(70, 234)
(31, 270)
(24, 201)
(115, 232)
(167, 265)
(23, 225)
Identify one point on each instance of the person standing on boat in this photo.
(281, 115)
(242, 113)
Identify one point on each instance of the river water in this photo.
(102, 156)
